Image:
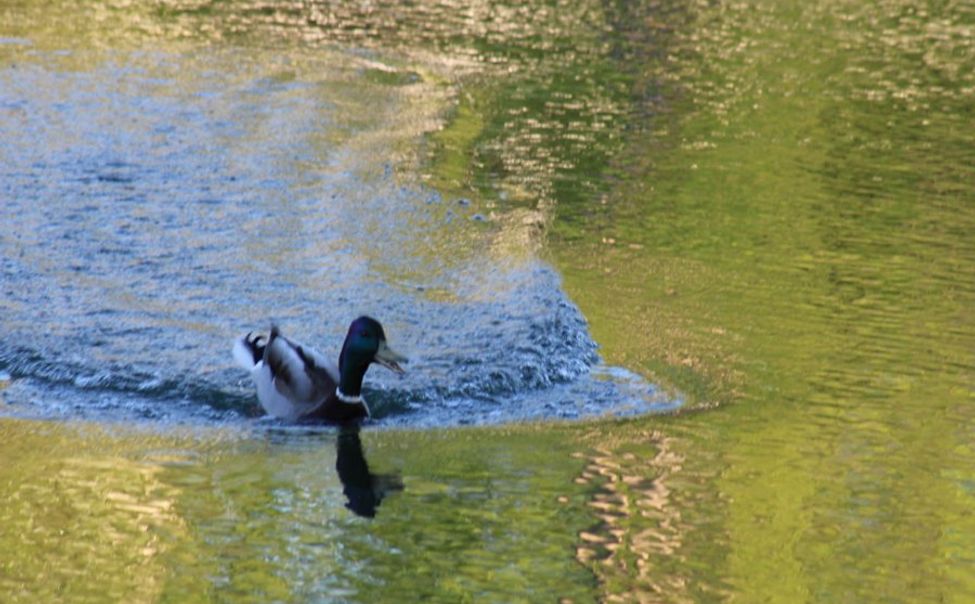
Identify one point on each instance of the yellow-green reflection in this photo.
(84, 523)
(792, 237)
(109, 513)
(784, 227)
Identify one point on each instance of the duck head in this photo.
(365, 344)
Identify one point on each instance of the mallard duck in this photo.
(295, 382)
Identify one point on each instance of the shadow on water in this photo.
(364, 490)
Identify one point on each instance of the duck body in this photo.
(297, 383)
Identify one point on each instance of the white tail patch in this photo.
(243, 354)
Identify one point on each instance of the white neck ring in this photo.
(351, 400)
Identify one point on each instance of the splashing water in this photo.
(158, 206)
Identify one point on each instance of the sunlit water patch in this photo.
(158, 205)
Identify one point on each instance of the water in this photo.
(151, 222)
(758, 211)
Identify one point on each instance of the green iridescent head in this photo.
(365, 344)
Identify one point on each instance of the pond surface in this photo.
(734, 240)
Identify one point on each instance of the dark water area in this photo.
(732, 241)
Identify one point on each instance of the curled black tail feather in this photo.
(255, 346)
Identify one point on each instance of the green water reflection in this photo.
(793, 237)
(782, 229)
(764, 206)
(110, 514)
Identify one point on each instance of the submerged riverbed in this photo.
(734, 240)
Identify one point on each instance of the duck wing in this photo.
(298, 373)
(321, 373)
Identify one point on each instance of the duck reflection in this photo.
(363, 489)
